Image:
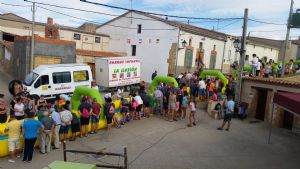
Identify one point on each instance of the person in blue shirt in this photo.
(193, 89)
(229, 105)
(30, 130)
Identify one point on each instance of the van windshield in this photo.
(30, 78)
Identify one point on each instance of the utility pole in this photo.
(242, 57)
(32, 36)
(288, 25)
(131, 11)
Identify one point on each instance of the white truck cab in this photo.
(55, 79)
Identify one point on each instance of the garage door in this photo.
(42, 60)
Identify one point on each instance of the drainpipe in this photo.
(223, 55)
(177, 50)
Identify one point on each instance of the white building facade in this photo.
(154, 40)
(265, 49)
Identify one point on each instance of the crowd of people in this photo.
(266, 69)
(55, 119)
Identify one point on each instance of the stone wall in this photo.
(43, 47)
(250, 96)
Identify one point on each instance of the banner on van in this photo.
(124, 72)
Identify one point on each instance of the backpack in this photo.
(85, 113)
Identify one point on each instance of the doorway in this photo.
(261, 104)
(288, 119)
(92, 66)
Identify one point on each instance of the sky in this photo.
(275, 11)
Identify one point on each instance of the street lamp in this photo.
(237, 44)
(183, 44)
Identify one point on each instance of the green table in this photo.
(65, 165)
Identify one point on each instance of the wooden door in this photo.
(92, 66)
(43, 60)
(261, 104)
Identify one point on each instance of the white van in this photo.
(56, 79)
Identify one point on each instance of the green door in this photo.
(188, 58)
(212, 63)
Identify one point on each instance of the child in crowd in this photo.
(109, 111)
(192, 114)
(215, 95)
(184, 104)
(124, 109)
(220, 94)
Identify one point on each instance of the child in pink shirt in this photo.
(192, 114)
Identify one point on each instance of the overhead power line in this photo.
(281, 30)
(158, 14)
(234, 22)
(264, 22)
(100, 22)
(15, 5)
(88, 11)
(116, 15)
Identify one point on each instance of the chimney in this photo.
(49, 21)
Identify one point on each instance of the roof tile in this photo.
(278, 81)
(96, 53)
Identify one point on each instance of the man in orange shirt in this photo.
(211, 89)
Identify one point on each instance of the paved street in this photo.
(156, 144)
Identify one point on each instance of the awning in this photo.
(288, 100)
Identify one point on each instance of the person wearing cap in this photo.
(57, 121)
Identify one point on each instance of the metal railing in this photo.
(125, 166)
